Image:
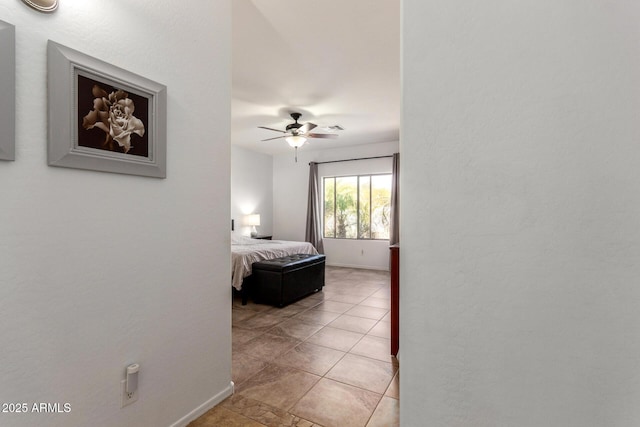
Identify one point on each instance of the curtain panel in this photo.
(394, 226)
(313, 232)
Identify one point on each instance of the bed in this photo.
(245, 251)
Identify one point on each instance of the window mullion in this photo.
(357, 207)
(370, 205)
(335, 207)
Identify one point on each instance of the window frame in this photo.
(335, 177)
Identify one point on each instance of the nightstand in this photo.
(262, 237)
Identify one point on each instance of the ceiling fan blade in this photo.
(306, 127)
(277, 137)
(277, 130)
(322, 135)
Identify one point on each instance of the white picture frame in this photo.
(102, 117)
(7, 91)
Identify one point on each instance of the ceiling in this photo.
(336, 62)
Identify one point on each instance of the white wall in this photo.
(290, 191)
(100, 270)
(251, 189)
(519, 290)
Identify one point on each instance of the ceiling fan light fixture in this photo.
(296, 141)
(46, 6)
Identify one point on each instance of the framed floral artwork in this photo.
(7, 91)
(104, 118)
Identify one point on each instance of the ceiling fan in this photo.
(296, 134)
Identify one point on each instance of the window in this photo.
(357, 207)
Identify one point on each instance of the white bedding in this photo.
(245, 251)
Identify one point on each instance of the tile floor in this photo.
(322, 361)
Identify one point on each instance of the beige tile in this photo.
(336, 282)
(376, 302)
(263, 413)
(370, 374)
(288, 311)
(387, 414)
(299, 321)
(319, 296)
(308, 302)
(383, 293)
(219, 416)
(372, 286)
(334, 306)
(267, 346)
(350, 299)
(332, 270)
(380, 281)
(317, 316)
(367, 312)
(368, 273)
(311, 358)
(353, 323)
(264, 389)
(374, 347)
(243, 367)
(394, 387)
(278, 386)
(338, 339)
(295, 328)
(261, 322)
(382, 330)
(333, 404)
(330, 291)
(239, 314)
(386, 318)
(241, 336)
(363, 291)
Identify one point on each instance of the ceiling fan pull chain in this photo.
(296, 154)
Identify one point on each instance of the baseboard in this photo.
(182, 422)
(363, 267)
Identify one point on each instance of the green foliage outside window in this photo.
(357, 207)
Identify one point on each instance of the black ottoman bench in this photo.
(281, 281)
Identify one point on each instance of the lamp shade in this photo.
(252, 220)
(296, 141)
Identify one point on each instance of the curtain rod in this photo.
(351, 160)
